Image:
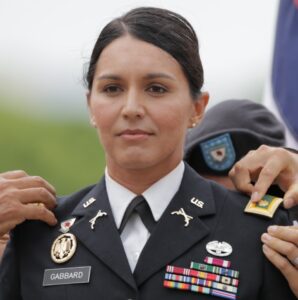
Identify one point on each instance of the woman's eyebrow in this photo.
(159, 75)
(108, 76)
(147, 76)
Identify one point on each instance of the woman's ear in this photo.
(91, 117)
(199, 106)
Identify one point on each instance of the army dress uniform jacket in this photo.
(220, 218)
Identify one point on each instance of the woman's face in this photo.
(140, 104)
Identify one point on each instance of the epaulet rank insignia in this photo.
(265, 207)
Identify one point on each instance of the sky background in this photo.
(45, 44)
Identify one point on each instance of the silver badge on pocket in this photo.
(217, 248)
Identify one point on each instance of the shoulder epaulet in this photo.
(267, 206)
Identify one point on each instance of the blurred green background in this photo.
(44, 48)
(66, 153)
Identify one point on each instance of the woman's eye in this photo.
(157, 89)
(112, 89)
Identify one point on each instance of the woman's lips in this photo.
(135, 134)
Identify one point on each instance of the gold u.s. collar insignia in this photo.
(63, 248)
(265, 207)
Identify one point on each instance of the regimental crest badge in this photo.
(265, 207)
(219, 153)
(63, 248)
(65, 225)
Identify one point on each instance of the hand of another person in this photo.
(281, 248)
(3, 241)
(266, 166)
(24, 197)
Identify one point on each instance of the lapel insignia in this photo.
(98, 215)
(219, 248)
(197, 202)
(265, 207)
(63, 248)
(204, 279)
(65, 225)
(181, 212)
(89, 202)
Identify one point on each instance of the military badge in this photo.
(265, 207)
(219, 248)
(219, 153)
(181, 212)
(98, 215)
(65, 225)
(63, 248)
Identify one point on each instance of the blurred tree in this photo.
(67, 154)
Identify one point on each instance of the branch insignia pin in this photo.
(98, 215)
(181, 212)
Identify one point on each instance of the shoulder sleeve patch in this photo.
(265, 207)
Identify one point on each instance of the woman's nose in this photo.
(133, 106)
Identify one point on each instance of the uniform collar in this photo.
(158, 195)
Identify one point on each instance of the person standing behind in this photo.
(231, 140)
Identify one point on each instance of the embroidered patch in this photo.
(219, 153)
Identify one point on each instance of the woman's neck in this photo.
(139, 180)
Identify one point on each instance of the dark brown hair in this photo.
(162, 28)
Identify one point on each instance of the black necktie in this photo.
(139, 205)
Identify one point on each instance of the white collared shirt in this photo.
(158, 196)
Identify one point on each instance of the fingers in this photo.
(281, 249)
(285, 233)
(26, 189)
(283, 239)
(269, 172)
(4, 238)
(265, 166)
(31, 195)
(241, 178)
(13, 174)
(18, 213)
(30, 182)
(286, 268)
(291, 196)
(39, 212)
(284, 248)
(18, 193)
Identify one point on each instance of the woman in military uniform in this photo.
(151, 228)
